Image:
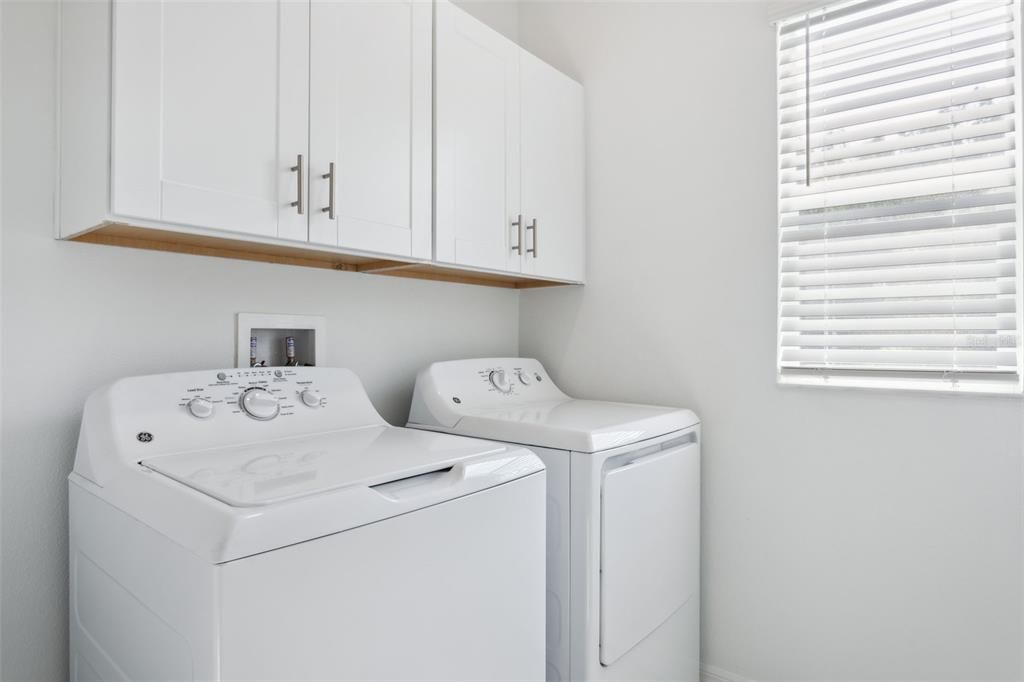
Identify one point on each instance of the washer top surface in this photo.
(267, 473)
(235, 462)
(489, 398)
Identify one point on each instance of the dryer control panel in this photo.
(446, 390)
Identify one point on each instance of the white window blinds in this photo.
(898, 194)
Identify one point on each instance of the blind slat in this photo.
(889, 291)
(936, 324)
(948, 201)
(987, 305)
(965, 341)
(905, 359)
(902, 257)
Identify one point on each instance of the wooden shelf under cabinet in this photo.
(130, 236)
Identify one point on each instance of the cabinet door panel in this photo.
(477, 143)
(371, 116)
(552, 171)
(210, 112)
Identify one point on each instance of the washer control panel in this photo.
(259, 394)
(137, 418)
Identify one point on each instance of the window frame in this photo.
(910, 381)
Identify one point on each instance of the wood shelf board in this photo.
(130, 236)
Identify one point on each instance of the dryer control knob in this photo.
(524, 378)
(201, 408)
(259, 403)
(310, 398)
(499, 379)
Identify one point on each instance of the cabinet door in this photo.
(370, 116)
(477, 143)
(210, 111)
(552, 171)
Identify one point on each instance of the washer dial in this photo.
(200, 408)
(524, 378)
(499, 379)
(311, 398)
(259, 403)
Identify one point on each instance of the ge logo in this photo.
(144, 437)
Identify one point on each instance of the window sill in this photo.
(973, 387)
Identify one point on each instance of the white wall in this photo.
(501, 15)
(847, 535)
(76, 316)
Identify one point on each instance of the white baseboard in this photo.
(709, 673)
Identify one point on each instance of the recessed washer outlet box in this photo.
(272, 331)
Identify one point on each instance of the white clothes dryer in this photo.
(623, 513)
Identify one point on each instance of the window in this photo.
(899, 249)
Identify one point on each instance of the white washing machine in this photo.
(267, 524)
(623, 534)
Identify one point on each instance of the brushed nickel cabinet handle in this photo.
(533, 227)
(518, 224)
(297, 168)
(329, 175)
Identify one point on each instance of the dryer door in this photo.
(650, 535)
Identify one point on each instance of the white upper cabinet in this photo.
(370, 125)
(392, 136)
(509, 155)
(210, 114)
(477, 143)
(552, 171)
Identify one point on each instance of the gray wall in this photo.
(848, 535)
(76, 316)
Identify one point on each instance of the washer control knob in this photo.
(499, 379)
(524, 378)
(259, 403)
(310, 398)
(200, 408)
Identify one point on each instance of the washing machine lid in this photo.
(275, 472)
(577, 425)
(229, 503)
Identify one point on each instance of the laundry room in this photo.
(592, 340)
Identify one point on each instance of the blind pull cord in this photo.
(807, 98)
